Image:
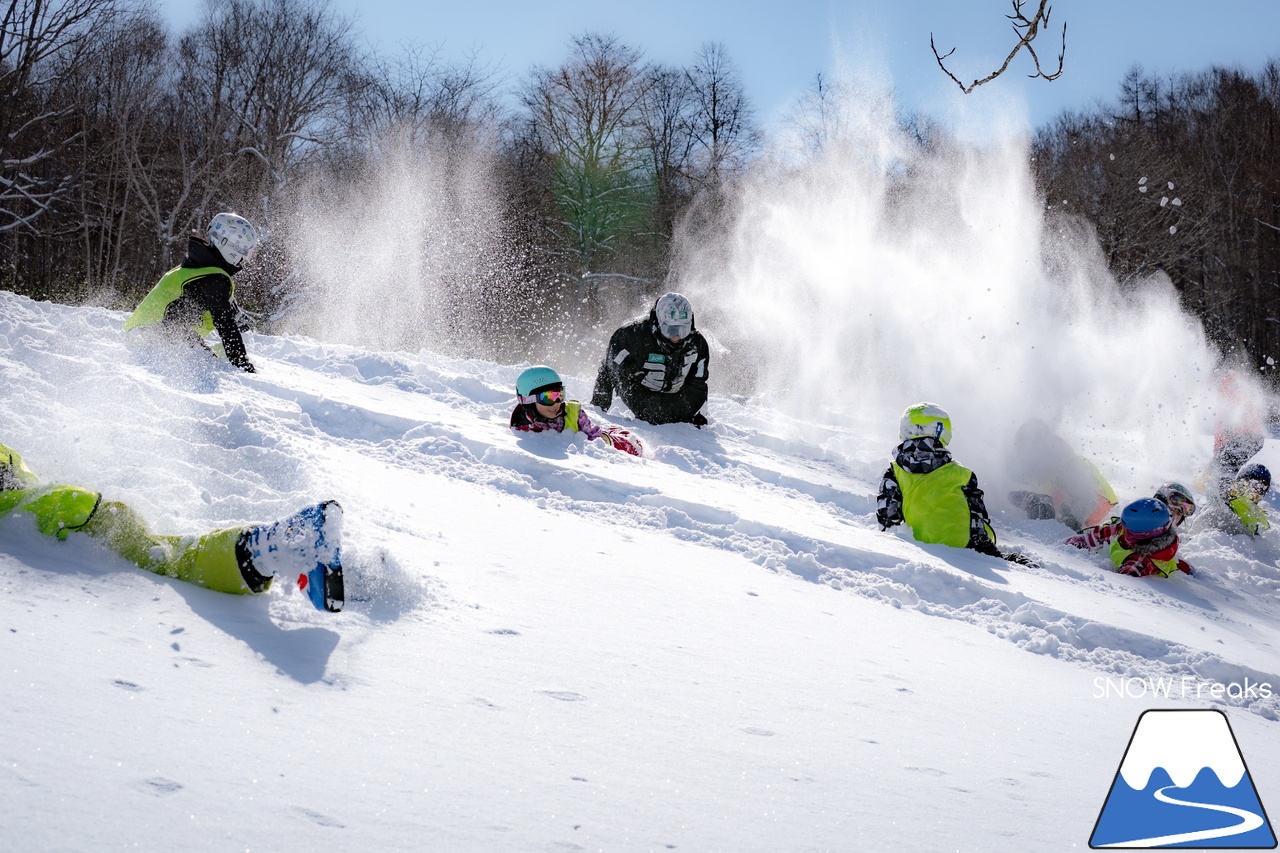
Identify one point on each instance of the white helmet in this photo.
(674, 315)
(925, 420)
(234, 237)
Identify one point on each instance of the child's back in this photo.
(938, 498)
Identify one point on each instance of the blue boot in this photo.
(305, 546)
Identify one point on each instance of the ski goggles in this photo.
(679, 329)
(1182, 503)
(546, 398)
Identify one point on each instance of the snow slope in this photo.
(549, 645)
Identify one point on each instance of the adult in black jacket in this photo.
(658, 365)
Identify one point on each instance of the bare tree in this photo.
(1026, 29)
(278, 68)
(667, 114)
(116, 91)
(821, 116)
(723, 122)
(256, 88)
(585, 117)
(1180, 177)
(421, 97)
(37, 40)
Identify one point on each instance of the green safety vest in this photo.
(58, 509)
(1119, 554)
(1250, 513)
(150, 310)
(934, 505)
(571, 409)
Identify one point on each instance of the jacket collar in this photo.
(201, 254)
(921, 455)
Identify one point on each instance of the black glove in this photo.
(246, 366)
(699, 420)
(1035, 505)
(983, 545)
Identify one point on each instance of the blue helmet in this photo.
(535, 379)
(1146, 518)
(1257, 472)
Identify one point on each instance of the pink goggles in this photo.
(546, 398)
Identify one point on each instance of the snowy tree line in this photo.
(118, 137)
(1181, 174)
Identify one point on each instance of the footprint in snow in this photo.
(317, 818)
(126, 685)
(752, 730)
(159, 786)
(564, 695)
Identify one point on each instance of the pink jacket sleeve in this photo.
(587, 427)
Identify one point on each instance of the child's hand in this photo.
(622, 440)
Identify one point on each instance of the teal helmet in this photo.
(535, 379)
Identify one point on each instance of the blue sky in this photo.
(781, 47)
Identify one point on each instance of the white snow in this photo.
(1183, 743)
(549, 645)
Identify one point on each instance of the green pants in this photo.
(209, 560)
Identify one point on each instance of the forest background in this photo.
(537, 208)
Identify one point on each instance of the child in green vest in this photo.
(1147, 544)
(1237, 507)
(195, 298)
(544, 406)
(240, 560)
(938, 498)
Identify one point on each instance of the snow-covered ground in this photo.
(549, 645)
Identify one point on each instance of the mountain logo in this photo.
(1183, 783)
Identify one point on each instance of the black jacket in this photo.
(660, 382)
(210, 293)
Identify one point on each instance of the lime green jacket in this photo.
(58, 509)
(1248, 510)
(150, 311)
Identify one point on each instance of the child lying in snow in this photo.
(1144, 539)
(239, 560)
(543, 406)
(1175, 496)
(1238, 505)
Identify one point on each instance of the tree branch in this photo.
(1026, 30)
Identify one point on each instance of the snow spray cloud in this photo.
(874, 271)
(398, 255)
